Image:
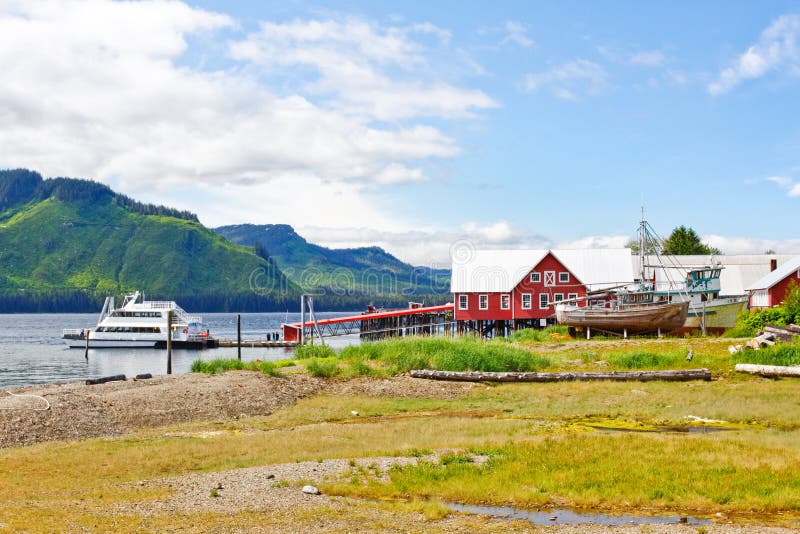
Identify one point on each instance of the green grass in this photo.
(775, 355)
(314, 351)
(456, 354)
(323, 367)
(593, 470)
(531, 335)
(647, 360)
(220, 365)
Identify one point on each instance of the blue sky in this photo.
(418, 125)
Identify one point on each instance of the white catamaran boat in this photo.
(139, 323)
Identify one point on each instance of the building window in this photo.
(526, 301)
(573, 297)
(483, 302)
(549, 278)
(563, 278)
(463, 302)
(544, 301)
(558, 297)
(536, 277)
(505, 302)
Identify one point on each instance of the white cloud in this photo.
(651, 58)
(776, 49)
(786, 183)
(108, 90)
(749, 245)
(599, 241)
(570, 80)
(782, 181)
(362, 68)
(516, 33)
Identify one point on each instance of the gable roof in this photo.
(500, 271)
(777, 275)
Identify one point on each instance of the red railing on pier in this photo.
(339, 326)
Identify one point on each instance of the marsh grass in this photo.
(532, 335)
(220, 365)
(323, 367)
(595, 471)
(314, 351)
(788, 354)
(640, 359)
(456, 354)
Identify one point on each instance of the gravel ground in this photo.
(77, 411)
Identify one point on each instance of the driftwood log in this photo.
(768, 370)
(103, 380)
(680, 375)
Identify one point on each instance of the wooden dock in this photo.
(251, 343)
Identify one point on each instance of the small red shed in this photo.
(770, 291)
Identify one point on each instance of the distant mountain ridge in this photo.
(65, 243)
(371, 270)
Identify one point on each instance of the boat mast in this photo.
(642, 243)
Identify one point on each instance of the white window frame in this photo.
(546, 301)
(563, 277)
(573, 297)
(558, 297)
(530, 301)
(483, 302)
(549, 278)
(463, 301)
(505, 301)
(536, 277)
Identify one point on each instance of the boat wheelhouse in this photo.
(139, 323)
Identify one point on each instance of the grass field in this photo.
(617, 447)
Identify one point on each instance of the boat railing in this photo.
(77, 331)
(179, 312)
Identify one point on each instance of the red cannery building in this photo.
(497, 291)
(770, 290)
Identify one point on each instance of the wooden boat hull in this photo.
(645, 319)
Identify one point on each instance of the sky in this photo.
(421, 127)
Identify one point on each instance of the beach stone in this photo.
(311, 490)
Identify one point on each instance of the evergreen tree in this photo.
(685, 241)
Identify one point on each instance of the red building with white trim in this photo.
(505, 290)
(770, 290)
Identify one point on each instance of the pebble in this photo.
(311, 490)
(355, 413)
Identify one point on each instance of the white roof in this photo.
(740, 271)
(776, 276)
(494, 271)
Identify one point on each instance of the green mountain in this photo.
(66, 243)
(369, 270)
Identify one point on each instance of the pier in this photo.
(377, 324)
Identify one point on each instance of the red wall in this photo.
(778, 292)
(494, 313)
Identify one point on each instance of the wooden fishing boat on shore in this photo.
(631, 319)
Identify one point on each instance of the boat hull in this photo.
(112, 343)
(720, 314)
(666, 317)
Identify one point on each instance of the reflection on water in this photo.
(32, 352)
(569, 517)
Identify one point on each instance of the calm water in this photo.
(32, 352)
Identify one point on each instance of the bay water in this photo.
(32, 351)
